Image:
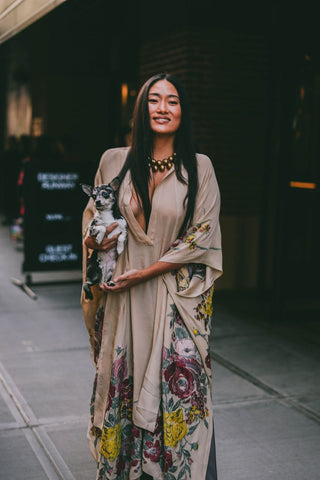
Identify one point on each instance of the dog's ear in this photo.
(86, 188)
(115, 184)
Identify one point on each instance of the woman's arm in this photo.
(133, 277)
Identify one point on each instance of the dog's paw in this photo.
(99, 237)
(121, 242)
(120, 247)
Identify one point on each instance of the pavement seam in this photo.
(17, 398)
(242, 402)
(34, 349)
(10, 426)
(41, 444)
(276, 394)
(19, 422)
(66, 420)
(49, 422)
(53, 453)
(45, 461)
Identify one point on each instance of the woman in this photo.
(151, 409)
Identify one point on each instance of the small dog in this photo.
(101, 265)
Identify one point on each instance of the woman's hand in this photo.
(107, 243)
(133, 277)
(124, 281)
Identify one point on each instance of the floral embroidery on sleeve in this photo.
(189, 237)
(185, 274)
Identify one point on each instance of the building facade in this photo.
(253, 76)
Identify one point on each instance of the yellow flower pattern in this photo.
(190, 241)
(207, 306)
(194, 412)
(204, 309)
(111, 442)
(191, 236)
(175, 428)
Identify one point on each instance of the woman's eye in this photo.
(152, 100)
(173, 102)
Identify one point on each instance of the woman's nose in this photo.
(162, 106)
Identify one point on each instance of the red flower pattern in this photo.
(167, 461)
(182, 376)
(152, 451)
(111, 395)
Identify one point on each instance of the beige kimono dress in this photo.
(151, 407)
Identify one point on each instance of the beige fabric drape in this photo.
(137, 320)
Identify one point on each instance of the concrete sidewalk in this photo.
(266, 386)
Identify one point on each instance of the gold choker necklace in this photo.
(161, 165)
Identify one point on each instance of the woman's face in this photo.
(164, 108)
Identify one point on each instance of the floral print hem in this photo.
(170, 452)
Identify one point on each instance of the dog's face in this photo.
(102, 195)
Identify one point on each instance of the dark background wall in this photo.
(244, 65)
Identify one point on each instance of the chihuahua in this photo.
(101, 264)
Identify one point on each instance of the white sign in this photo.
(58, 253)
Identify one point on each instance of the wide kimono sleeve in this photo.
(90, 307)
(200, 245)
(199, 250)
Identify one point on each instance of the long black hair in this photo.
(142, 145)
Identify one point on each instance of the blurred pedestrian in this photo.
(151, 409)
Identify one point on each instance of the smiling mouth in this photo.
(161, 120)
